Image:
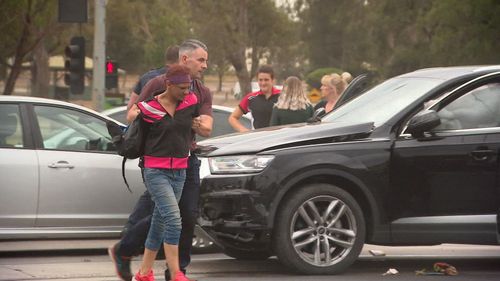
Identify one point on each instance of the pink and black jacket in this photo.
(169, 139)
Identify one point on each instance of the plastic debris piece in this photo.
(376, 253)
(391, 271)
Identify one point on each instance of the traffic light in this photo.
(111, 74)
(75, 65)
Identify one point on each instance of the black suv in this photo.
(412, 161)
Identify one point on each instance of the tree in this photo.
(275, 40)
(462, 32)
(334, 33)
(24, 24)
(138, 32)
(393, 28)
(40, 71)
(399, 36)
(237, 27)
(228, 21)
(215, 41)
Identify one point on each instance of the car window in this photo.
(221, 125)
(11, 133)
(245, 122)
(382, 102)
(120, 116)
(64, 129)
(478, 108)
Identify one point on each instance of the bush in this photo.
(313, 79)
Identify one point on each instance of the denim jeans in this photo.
(133, 239)
(165, 188)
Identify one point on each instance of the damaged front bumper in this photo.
(234, 214)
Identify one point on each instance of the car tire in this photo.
(300, 236)
(247, 255)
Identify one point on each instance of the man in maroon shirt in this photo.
(193, 54)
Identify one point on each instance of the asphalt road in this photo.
(91, 264)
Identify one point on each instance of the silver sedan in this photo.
(61, 176)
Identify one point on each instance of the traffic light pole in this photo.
(74, 64)
(98, 76)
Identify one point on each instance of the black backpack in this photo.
(130, 144)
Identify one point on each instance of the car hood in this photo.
(282, 137)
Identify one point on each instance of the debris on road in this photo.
(439, 268)
(391, 271)
(445, 268)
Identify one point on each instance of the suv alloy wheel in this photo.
(320, 230)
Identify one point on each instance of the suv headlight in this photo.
(239, 164)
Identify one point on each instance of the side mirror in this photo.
(317, 115)
(423, 122)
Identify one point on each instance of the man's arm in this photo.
(234, 120)
(134, 97)
(132, 113)
(202, 125)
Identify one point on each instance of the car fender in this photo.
(370, 208)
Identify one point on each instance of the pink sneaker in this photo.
(179, 276)
(148, 277)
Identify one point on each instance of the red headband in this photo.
(179, 79)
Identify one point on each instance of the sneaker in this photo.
(148, 277)
(122, 264)
(179, 276)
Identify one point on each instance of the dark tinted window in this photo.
(478, 108)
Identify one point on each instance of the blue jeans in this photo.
(134, 236)
(165, 187)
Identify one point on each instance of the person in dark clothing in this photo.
(194, 55)
(332, 86)
(260, 103)
(171, 57)
(293, 106)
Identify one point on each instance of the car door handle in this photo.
(482, 154)
(61, 164)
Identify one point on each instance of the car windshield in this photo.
(382, 102)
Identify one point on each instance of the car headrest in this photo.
(8, 125)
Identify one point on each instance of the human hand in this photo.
(196, 123)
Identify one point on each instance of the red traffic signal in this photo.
(111, 74)
(111, 67)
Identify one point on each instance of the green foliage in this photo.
(138, 32)
(389, 36)
(313, 79)
(212, 23)
(26, 26)
(463, 32)
(396, 36)
(26, 16)
(253, 31)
